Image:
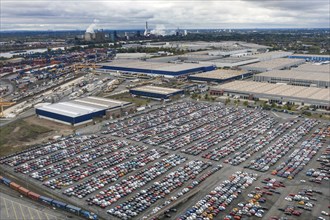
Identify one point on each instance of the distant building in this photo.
(156, 92)
(81, 111)
(278, 93)
(220, 76)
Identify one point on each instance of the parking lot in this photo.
(13, 208)
(213, 154)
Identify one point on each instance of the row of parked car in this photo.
(173, 119)
(126, 186)
(248, 150)
(200, 119)
(135, 119)
(176, 123)
(236, 143)
(145, 198)
(78, 160)
(31, 154)
(84, 171)
(281, 147)
(219, 198)
(224, 134)
(60, 155)
(228, 117)
(190, 188)
(94, 183)
(300, 157)
(321, 173)
(256, 199)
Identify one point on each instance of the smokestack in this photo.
(146, 31)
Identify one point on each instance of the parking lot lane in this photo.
(30, 213)
(20, 206)
(14, 210)
(3, 201)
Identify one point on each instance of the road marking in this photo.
(14, 209)
(39, 215)
(46, 215)
(30, 213)
(22, 211)
(6, 207)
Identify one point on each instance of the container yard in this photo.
(183, 160)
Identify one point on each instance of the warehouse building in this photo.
(310, 67)
(275, 64)
(271, 55)
(230, 62)
(155, 68)
(220, 75)
(294, 77)
(156, 92)
(279, 93)
(81, 111)
(311, 57)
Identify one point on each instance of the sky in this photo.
(171, 14)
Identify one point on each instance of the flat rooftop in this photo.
(310, 67)
(220, 74)
(294, 74)
(235, 59)
(83, 106)
(320, 95)
(271, 54)
(275, 63)
(156, 89)
(311, 55)
(171, 67)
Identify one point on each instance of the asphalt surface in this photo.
(273, 202)
(14, 207)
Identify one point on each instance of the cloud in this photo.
(130, 14)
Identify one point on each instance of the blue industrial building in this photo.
(165, 69)
(79, 111)
(156, 92)
(311, 57)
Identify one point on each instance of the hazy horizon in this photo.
(194, 14)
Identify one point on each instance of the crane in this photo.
(3, 104)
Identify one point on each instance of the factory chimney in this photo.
(146, 31)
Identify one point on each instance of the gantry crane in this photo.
(4, 103)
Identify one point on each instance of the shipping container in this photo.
(33, 195)
(58, 204)
(14, 186)
(6, 181)
(23, 190)
(73, 209)
(45, 200)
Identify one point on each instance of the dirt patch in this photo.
(24, 133)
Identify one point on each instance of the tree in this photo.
(227, 101)
(245, 103)
(206, 96)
